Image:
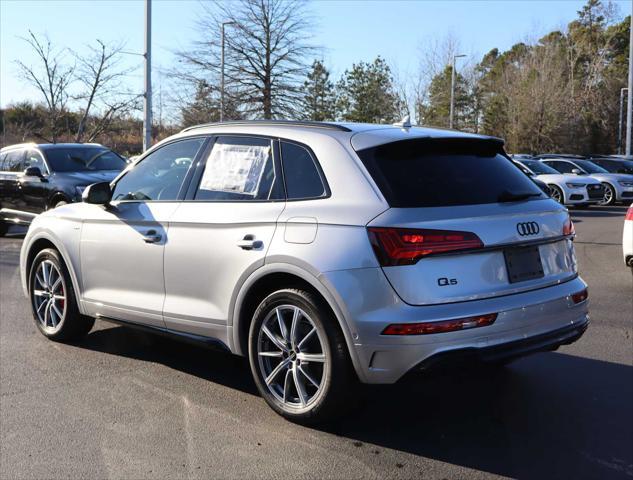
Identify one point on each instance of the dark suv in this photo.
(35, 178)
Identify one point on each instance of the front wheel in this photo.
(53, 300)
(299, 358)
(609, 195)
(557, 194)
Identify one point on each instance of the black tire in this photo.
(338, 390)
(557, 194)
(72, 325)
(609, 195)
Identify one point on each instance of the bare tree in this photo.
(99, 72)
(51, 78)
(266, 49)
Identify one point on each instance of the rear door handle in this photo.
(152, 237)
(249, 243)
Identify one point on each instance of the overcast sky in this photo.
(350, 31)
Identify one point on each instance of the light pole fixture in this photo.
(222, 71)
(629, 101)
(450, 118)
(621, 120)
(147, 100)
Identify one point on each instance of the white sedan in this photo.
(627, 237)
(564, 188)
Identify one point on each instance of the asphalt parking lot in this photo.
(124, 404)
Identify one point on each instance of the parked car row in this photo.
(35, 178)
(581, 181)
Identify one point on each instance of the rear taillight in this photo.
(629, 213)
(425, 328)
(568, 227)
(405, 246)
(581, 296)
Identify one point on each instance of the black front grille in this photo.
(595, 191)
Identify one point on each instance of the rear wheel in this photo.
(53, 300)
(557, 194)
(299, 358)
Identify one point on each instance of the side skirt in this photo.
(208, 342)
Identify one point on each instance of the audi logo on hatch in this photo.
(528, 228)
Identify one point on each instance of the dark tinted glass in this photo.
(3, 156)
(34, 159)
(301, 174)
(14, 161)
(239, 169)
(615, 166)
(590, 167)
(83, 158)
(539, 168)
(561, 167)
(423, 173)
(159, 176)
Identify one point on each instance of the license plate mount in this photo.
(523, 263)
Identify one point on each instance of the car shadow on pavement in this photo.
(231, 371)
(548, 415)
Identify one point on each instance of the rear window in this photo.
(436, 173)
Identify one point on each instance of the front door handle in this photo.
(152, 237)
(249, 243)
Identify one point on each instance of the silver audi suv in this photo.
(329, 254)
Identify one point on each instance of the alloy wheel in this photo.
(291, 356)
(49, 296)
(556, 195)
(608, 196)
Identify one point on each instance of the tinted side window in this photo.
(239, 169)
(14, 161)
(300, 172)
(35, 159)
(562, 167)
(159, 176)
(3, 156)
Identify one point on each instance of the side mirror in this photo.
(576, 171)
(97, 193)
(33, 172)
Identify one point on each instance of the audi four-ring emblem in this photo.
(528, 228)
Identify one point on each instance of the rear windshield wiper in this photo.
(506, 196)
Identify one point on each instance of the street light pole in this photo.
(147, 101)
(450, 118)
(222, 72)
(621, 119)
(629, 102)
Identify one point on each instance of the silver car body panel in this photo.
(196, 278)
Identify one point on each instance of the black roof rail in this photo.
(299, 123)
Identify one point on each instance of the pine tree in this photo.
(319, 99)
(366, 94)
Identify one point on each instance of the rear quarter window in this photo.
(303, 180)
(437, 173)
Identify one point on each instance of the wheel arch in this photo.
(272, 277)
(36, 245)
(55, 197)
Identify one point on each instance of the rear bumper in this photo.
(507, 351)
(531, 321)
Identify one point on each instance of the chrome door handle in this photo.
(249, 243)
(152, 237)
